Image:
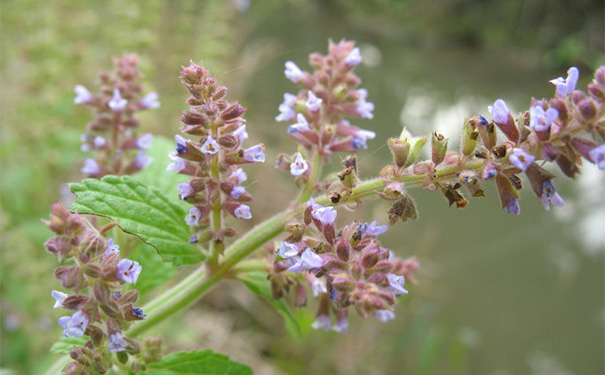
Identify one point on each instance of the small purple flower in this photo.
(541, 120)
(307, 261)
(287, 250)
(241, 133)
(112, 248)
(342, 324)
(301, 125)
(150, 101)
(177, 164)
(237, 192)
(117, 103)
(128, 271)
(376, 230)
(181, 144)
(513, 206)
(550, 195)
(361, 228)
(326, 215)
(597, 155)
(322, 322)
(240, 175)
(99, 142)
(243, 212)
(521, 158)
(396, 283)
(313, 102)
(255, 154)
(318, 287)
(91, 167)
(353, 58)
(82, 95)
(293, 72)
(138, 312)
(142, 160)
(144, 142)
(210, 147)
(74, 325)
(566, 86)
(286, 109)
(364, 109)
(193, 217)
(299, 165)
(185, 190)
(361, 138)
(59, 298)
(483, 121)
(384, 315)
(116, 343)
(193, 239)
(499, 112)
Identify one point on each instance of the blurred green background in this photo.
(496, 294)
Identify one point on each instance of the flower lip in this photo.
(128, 271)
(499, 112)
(117, 103)
(210, 147)
(353, 58)
(597, 155)
(82, 95)
(74, 325)
(293, 72)
(521, 158)
(313, 102)
(299, 166)
(255, 154)
(116, 343)
(565, 86)
(59, 298)
(150, 101)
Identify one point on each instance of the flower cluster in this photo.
(553, 130)
(345, 268)
(118, 150)
(317, 113)
(214, 159)
(93, 264)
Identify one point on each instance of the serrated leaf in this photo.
(139, 210)
(155, 271)
(258, 284)
(66, 344)
(155, 173)
(204, 362)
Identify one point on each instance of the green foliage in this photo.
(258, 284)
(155, 271)
(197, 362)
(66, 344)
(139, 210)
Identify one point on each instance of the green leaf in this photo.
(155, 173)
(197, 363)
(155, 271)
(258, 284)
(139, 210)
(66, 344)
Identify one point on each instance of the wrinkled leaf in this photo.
(139, 210)
(66, 344)
(204, 362)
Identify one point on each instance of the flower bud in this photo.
(596, 91)
(92, 270)
(567, 166)
(75, 302)
(587, 109)
(70, 276)
(59, 246)
(537, 177)
(561, 107)
(438, 148)
(343, 284)
(508, 194)
(584, 146)
(343, 250)
(400, 149)
(348, 177)
(228, 141)
(469, 138)
(233, 111)
(416, 146)
(370, 257)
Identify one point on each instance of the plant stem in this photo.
(316, 167)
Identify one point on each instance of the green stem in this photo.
(316, 167)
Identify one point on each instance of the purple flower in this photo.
(287, 250)
(396, 284)
(376, 230)
(59, 298)
(150, 101)
(116, 343)
(128, 271)
(144, 142)
(112, 248)
(177, 164)
(353, 58)
(597, 155)
(240, 175)
(361, 138)
(181, 144)
(142, 160)
(237, 192)
(286, 109)
(361, 228)
(138, 312)
(243, 212)
(99, 142)
(313, 102)
(299, 165)
(117, 103)
(513, 206)
(318, 287)
(301, 125)
(550, 195)
(384, 315)
(210, 147)
(74, 325)
(342, 324)
(91, 167)
(308, 260)
(255, 154)
(241, 133)
(521, 158)
(82, 95)
(541, 120)
(566, 86)
(185, 190)
(326, 215)
(499, 112)
(293, 72)
(322, 322)
(364, 109)
(193, 217)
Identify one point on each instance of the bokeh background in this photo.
(496, 295)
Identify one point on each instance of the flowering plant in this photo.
(344, 266)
